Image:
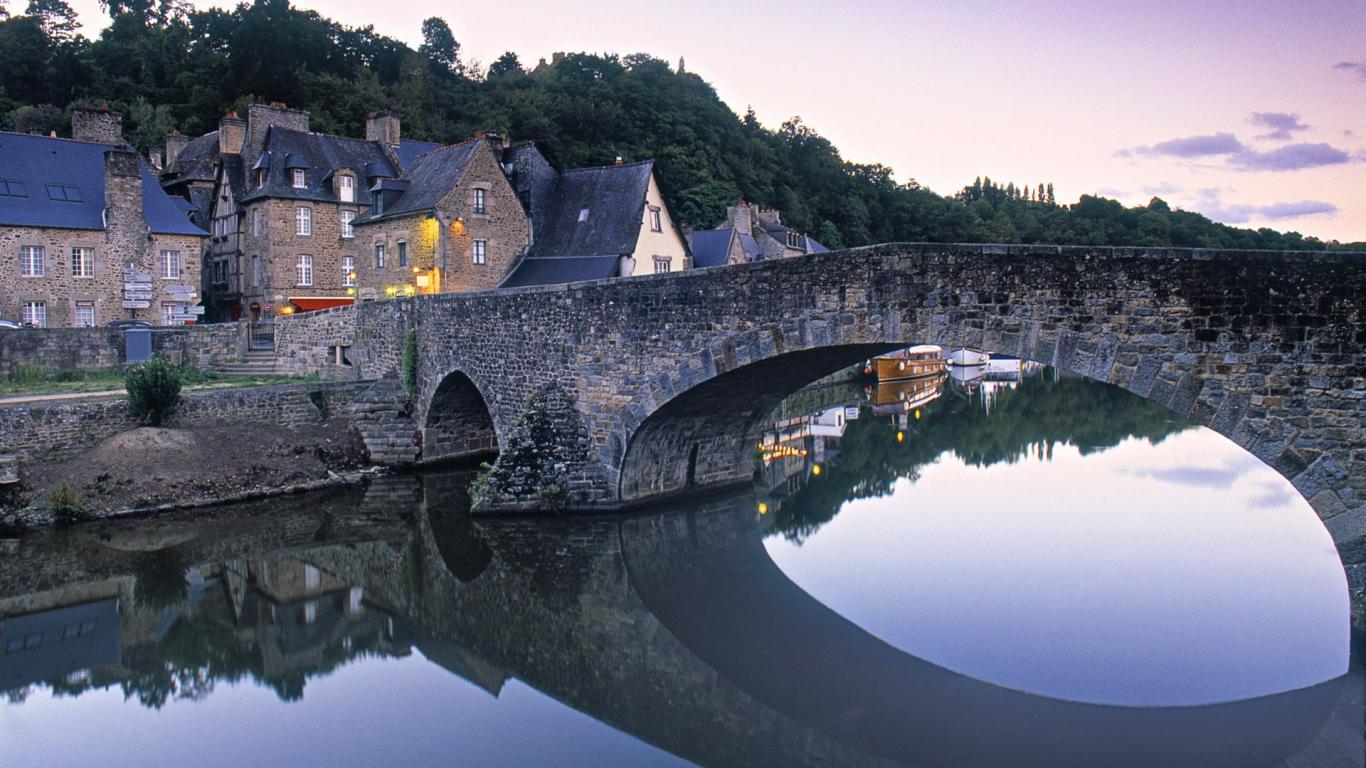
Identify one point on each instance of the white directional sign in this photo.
(136, 304)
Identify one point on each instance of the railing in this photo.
(261, 335)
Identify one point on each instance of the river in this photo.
(1014, 570)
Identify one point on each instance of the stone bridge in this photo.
(607, 394)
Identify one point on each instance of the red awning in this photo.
(326, 302)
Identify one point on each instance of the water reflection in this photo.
(794, 623)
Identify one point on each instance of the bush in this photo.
(410, 363)
(27, 374)
(67, 375)
(153, 390)
(66, 504)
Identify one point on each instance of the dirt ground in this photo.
(148, 467)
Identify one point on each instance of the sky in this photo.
(1252, 112)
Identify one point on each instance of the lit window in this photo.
(85, 314)
(347, 231)
(303, 221)
(300, 180)
(402, 253)
(347, 188)
(32, 263)
(82, 262)
(170, 265)
(661, 265)
(583, 214)
(480, 251)
(348, 271)
(379, 255)
(479, 201)
(303, 270)
(655, 224)
(34, 313)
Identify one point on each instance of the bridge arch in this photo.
(457, 422)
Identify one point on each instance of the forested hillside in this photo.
(167, 67)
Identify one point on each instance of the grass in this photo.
(29, 379)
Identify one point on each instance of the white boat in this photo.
(968, 357)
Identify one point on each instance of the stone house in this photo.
(87, 235)
(749, 234)
(593, 223)
(451, 222)
(281, 206)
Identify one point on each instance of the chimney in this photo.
(618, 159)
(738, 216)
(97, 126)
(232, 134)
(770, 218)
(383, 126)
(123, 191)
(174, 145)
(260, 119)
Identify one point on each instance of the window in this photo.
(583, 214)
(346, 189)
(379, 255)
(169, 313)
(348, 271)
(34, 313)
(82, 262)
(480, 251)
(256, 271)
(256, 222)
(310, 611)
(31, 261)
(347, 232)
(170, 265)
(479, 201)
(303, 220)
(794, 240)
(300, 180)
(12, 188)
(64, 193)
(661, 264)
(303, 270)
(313, 578)
(261, 177)
(402, 253)
(85, 314)
(655, 224)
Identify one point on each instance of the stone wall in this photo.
(57, 430)
(308, 343)
(87, 349)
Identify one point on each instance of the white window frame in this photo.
(665, 262)
(348, 267)
(168, 309)
(656, 219)
(583, 214)
(32, 261)
(76, 312)
(303, 221)
(348, 230)
(479, 252)
(303, 270)
(346, 189)
(298, 179)
(169, 265)
(82, 261)
(33, 313)
(480, 201)
(379, 255)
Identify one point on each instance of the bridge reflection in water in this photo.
(673, 626)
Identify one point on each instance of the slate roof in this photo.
(322, 155)
(587, 250)
(48, 168)
(409, 149)
(429, 178)
(195, 161)
(710, 248)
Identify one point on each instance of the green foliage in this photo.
(479, 484)
(319, 400)
(27, 374)
(410, 363)
(153, 390)
(160, 581)
(166, 65)
(65, 502)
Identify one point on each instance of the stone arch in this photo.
(458, 423)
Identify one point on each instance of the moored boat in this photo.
(912, 363)
(968, 357)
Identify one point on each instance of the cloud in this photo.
(1111, 192)
(1357, 68)
(1291, 157)
(1165, 188)
(1211, 203)
(1277, 211)
(1283, 125)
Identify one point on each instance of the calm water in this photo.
(1010, 570)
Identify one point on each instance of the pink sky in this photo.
(1093, 96)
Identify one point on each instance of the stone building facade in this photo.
(80, 218)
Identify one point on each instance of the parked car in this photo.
(7, 324)
(128, 324)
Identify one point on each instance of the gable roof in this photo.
(408, 150)
(321, 156)
(45, 168)
(710, 248)
(428, 178)
(195, 162)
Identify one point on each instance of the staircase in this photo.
(258, 362)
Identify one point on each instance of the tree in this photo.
(57, 19)
(505, 65)
(439, 44)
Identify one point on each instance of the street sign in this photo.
(179, 289)
(196, 310)
(136, 304)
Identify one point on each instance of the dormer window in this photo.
(261, 177)
(794, 240)
(300, 179)
(346, 189)
(583, 214)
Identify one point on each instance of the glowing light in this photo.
(815, 469)
(901, 437)
(350, 291)
(390, 291)
(763, 508)
(458, 227)
(917, 414)
(287, 310)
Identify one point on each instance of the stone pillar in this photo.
(232, 134)
(97, 126)
(175, 144)
(385, 127)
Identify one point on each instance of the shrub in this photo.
(68, 375)
(410, 363)
(153, 390)
(66, 505)
(479, 483)
(27, 374)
